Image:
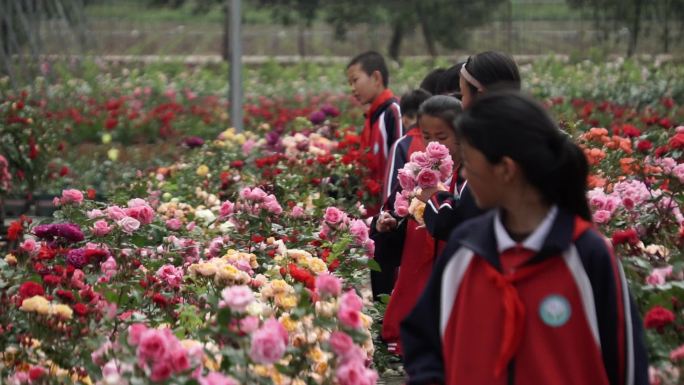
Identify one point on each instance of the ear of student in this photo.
(509, 168)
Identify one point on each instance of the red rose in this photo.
(80, 309)
(14, 231)
(36, 373)
(111, 123)
(658, 317)
(630, 131)
(64, 171)
(91, 193)
(65, 295)
(644, 145)
(667, 102)
(626, 236)
(30, 289)
(665, 123)
(677, 141)
(51, 280)
(160, 300)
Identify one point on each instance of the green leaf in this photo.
(374, 265)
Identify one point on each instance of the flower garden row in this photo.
(242, 261)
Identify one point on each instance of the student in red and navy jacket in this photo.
(369, 78)
(388, 246)
(418, 248)
(530, 292)
(480, 73)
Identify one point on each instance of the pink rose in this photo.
(215, 378)
(170, 274)
(153, 345)
(436, 151)
(101, 228)
(333, 215)
(602, 216)
(355, 373)
(128, 224)
(268, 343)
(249, 324)
(97, 356)
(246, 193)
(352, 300)
(180, 361)
(161, 370)
(174, 224)
(327, 284)
(406, 179)
(144, 214)
(677, 354)
(369, 245)
(297, 212)
(115, 213)
(428, 178)
(227, 208)
(420, 159)
(30, 246)
(257, 195)
(135, 331)
(248, 146)
(678, 172)
(96, 213)
(72, 196)
(237, 298)
(271, 204)
(658, 276)
(136, 202)
(359, 230)
(341, 343)
(446, 168)
(349, 317)
(401, 204)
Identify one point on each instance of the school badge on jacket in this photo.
(555, 310)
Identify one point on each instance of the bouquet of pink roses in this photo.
(429, 169)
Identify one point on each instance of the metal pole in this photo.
(236, 64)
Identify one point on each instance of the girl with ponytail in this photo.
(530, 292)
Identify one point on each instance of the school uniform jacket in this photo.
(445, 211)
(563, 316)
(382, 128)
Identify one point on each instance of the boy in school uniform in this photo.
(369, 79)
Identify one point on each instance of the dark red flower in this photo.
(644, 145)
(630, 131)
(36, 373)
(667, 102)
(65, 295)
(30, 289)
(257, 238)
(64, 171)
(51, 280)
(237, 164)
(658, 317)
(302, 275)
(80, 309)
(660, 151)
(372, 186)
(625, 236)
(665, 123)
(160, 300)
(111, 123)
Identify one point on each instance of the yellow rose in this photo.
(106, 138)
(280, 286)
(11, 259)
(286, 301)
(63, 311)
(36, 304)
(113, 154)
(202, 170)
(288, 323)
(317, 265)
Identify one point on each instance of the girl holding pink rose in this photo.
(418, 249)
(481, 73)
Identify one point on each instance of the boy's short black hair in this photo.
(370, 62)
(411, 101)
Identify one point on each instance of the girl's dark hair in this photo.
(508, 123)
(449, 84)
(432, 80)
(444, 107)
(411, 101)
(493, 70)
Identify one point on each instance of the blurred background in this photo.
(195, 30)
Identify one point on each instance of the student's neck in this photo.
(524, 214)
